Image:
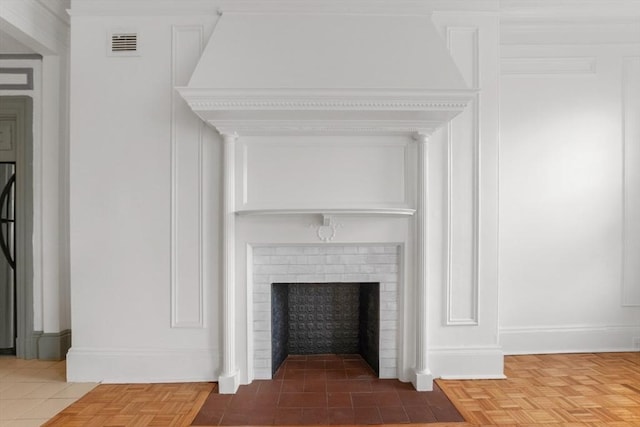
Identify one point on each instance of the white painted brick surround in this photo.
(326, 264)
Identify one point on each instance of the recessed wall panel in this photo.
(631, 158)
(303, 174)
(462, 153)
(186, 188)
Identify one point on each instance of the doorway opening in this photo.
(8, 295)
(16, 227)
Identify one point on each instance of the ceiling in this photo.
(9, 45)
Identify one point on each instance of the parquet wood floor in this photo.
(567, 390)
(563, 390)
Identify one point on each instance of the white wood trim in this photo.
(346, 212)
(630, 296)
(472, 320)
(423, 381)
(549, 66)
(229, 377)
(200, 7)
(198, 306)
(568, 339)
(46, 33)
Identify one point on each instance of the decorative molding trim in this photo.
(570, 30)
(200, 7)
(197, 34)
(323, 127)
(53, 345)
(485, 362)
(473, 77)
(58, 8)
(313, 99)
(348, 105)
(123, 365)
(400, 212)
(423, 380)
(327, 229)
(330, 111)
(49, 33)
(229, 377)
(7, 84)
(549, 66)
(630, 283)
(553, 9)
(568, 339)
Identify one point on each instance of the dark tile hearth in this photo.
(326, 390)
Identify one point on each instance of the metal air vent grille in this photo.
(123, 43)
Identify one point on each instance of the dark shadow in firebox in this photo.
(325, 318)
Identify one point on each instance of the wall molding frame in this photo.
(7, 84)
(630, 286)
(467, 124)
(549, 66)
(187, 293)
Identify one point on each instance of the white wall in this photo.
(561, 183)
(145, 188)
(145, 178)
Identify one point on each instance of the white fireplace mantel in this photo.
(282, 74)
(388, 212)
(364, 111)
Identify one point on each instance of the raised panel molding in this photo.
(548, 66)
(272, 177)
(631, 181)
(187, 246)
(463, 188)
(571, 28)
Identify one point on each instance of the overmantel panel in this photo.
(316, 173)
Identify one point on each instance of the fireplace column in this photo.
(423, 380)
(228, 381)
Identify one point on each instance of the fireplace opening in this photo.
(325, 318)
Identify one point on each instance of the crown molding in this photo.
(555, 9)
(332, 111)
(190, 7)
(578, 31)
(35, 25)
(549, 66)
(58, 8)
(323, 127)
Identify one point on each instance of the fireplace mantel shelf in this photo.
(401, 212)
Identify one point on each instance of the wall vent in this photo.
(123, 43)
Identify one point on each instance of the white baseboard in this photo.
(467, 363)
(142, 366)
(578, 339)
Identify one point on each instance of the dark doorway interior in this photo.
(325, 318)
(7, 258)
